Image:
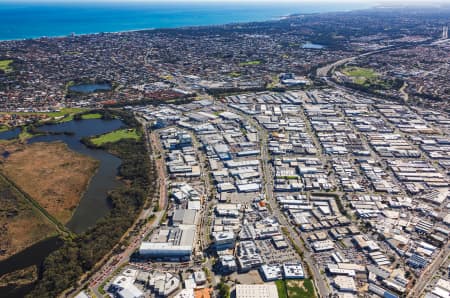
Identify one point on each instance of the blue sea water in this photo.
(20, 20)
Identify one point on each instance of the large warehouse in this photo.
(170, 243)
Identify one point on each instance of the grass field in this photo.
(249, 63)
(4, 128)
(52, 174)
(20, 224)
(5, 65)
(115, 136)
(64, 115)
(65, 111)
(66, 118)
(91, 116)
(62, 112)
(360, 75)
(360, 72)
(302, 288)
(281, 287)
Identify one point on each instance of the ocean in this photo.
(20, 20)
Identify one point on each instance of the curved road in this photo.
(325, 70)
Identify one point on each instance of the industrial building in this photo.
(123, 287)
(170, 243)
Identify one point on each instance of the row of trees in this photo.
(106, 114)
(63, 268)
(156, 102)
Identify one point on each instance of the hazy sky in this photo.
(245, 1)
(284, 2)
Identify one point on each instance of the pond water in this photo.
(93, 204)
(10, 134)
(90, 88)
(33, 255)
(312, 46)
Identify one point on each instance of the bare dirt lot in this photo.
(51, 173)
(251, 277)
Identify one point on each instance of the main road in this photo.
(325, 72)
(319, 280)
(114, 262)
(430, 270)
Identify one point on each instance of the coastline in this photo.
(260, 15)
(149, 29)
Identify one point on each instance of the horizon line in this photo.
(371, 2)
